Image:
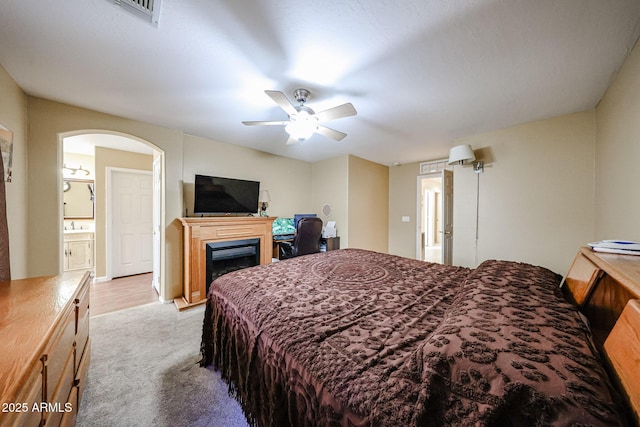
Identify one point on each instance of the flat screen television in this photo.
(217, 195)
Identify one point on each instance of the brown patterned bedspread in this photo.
(353, 337)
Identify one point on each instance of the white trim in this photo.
(433, 167)
(419, 210)
(418, 232)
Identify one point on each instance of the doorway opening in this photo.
(102, 151)
(431, 219)
(435, 217)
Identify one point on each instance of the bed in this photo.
(359, 338)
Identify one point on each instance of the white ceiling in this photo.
(419, 72)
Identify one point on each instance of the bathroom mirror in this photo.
(78, 199)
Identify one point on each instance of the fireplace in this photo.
(225, 257)
(199, 232)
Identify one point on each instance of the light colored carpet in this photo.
(144, 372)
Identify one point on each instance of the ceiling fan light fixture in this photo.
(303, 121)
(301, 125)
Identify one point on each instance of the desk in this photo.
(276, 246)
(332, 243)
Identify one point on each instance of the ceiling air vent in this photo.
(149, 10)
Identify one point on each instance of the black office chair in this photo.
(306, 240)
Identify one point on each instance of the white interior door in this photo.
(447, 217)
(131, 222)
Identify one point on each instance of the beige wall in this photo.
(330, 186)
(403, 192)
(357, 191)
(13, 116)
(108, 158)
(536, 195)
(287, 180)
(368, 205)
(48, 121)
(617, 209)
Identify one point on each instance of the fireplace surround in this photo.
(200, 232)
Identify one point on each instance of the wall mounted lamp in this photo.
(463, 154)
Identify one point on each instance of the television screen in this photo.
(225, 195)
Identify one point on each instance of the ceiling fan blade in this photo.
(262, 123)
(344, 110)
(331, 133)
(282, 100)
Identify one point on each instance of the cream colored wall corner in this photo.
(368, 201)
(13, 116)
(48, 120)
(105, 158)
(330, 185)
(617, 206)
(403, 183)
(536, 196)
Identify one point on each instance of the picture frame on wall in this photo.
(6, 147)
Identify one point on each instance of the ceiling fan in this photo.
(303, 121)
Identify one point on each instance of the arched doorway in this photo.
(114, 151)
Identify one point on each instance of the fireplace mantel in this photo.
(198, 232)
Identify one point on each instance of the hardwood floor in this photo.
(124, 292)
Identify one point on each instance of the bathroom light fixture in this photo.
(73, 171)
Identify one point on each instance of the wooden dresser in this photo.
(44, 349)
(601, 285)
(606, 289)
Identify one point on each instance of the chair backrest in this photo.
(308, 233)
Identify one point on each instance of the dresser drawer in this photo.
(59, 402)
(69, 418)
(24, 415)
(581, 279)
(82, 325)
(60, 351)
(83, 370)
(82, 306)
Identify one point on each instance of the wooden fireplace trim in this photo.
(198, 232)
